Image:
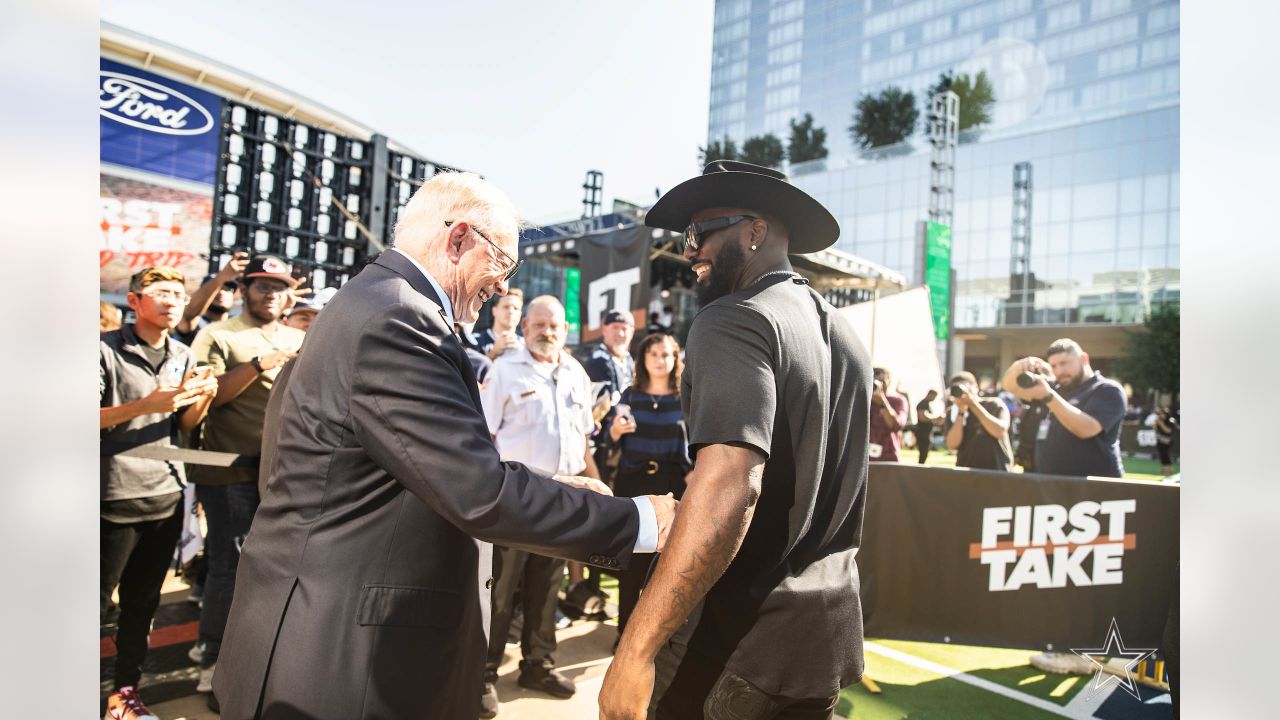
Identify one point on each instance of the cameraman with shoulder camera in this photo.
(1080, 435)
(980, 432)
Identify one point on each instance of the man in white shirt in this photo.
(538, 407)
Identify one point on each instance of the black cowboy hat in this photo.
(729, 183)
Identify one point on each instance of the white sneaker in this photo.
(196, 653)
(206, 680)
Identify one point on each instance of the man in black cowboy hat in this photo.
(753, 608)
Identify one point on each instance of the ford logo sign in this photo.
(149, 105)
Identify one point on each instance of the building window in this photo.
(1119, 60)
(783, 75)
(789, 10)
(784, 54)
(786, 33)
(729, 10)
(776, 99)
(1106, 8)
(1061, 18)
(1162, 18)
(1159, 50)
(935, 30)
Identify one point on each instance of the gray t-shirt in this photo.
(775, 367)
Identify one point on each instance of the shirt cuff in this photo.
(647, 537)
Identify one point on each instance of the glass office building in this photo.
(1086, 92)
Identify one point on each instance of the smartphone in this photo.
(199, 372)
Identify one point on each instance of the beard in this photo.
(544, 346)
(725, 268)
(1073, 382)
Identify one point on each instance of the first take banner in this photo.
(1016, 560)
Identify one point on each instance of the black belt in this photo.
(655, 467)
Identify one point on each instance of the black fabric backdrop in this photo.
(920, 583)
(606, 259)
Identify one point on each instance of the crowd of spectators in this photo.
(192, 371)
(196, 371)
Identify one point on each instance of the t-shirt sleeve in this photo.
(732, 386)
(996, 408)
(209, 352)
(1107, 405)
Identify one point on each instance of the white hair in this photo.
(453, 195)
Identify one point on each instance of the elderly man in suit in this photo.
(363, 586)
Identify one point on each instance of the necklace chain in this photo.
(774, 272)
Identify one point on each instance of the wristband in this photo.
(256, 362)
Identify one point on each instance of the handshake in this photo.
(664, 506)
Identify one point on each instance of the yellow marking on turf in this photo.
(1064, 687)
(1033, 678)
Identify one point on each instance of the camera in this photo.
(957, 391)
(1026, 380)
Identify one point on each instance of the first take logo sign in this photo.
(150, 105)
(1054, 546)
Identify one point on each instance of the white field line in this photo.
(1079, 712)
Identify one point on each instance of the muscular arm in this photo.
(1078, 423)
(713, 519)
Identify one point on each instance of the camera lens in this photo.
(957, 391)
(1026, 380)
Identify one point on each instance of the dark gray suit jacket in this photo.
(359, 592)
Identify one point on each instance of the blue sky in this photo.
(530, 94)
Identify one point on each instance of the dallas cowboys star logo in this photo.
(1113, 646)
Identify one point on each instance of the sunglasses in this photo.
(515, 264)
(696, 234)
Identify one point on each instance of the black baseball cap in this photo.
(614, 316)
(270, 266)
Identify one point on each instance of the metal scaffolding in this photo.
(944, 129)
(1021, 280)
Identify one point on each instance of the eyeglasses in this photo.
(180, 298)
(515, 264)
(696, 233)
(263, 289)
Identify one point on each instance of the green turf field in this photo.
(911, 692)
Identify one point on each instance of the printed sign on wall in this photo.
(143, 224)
(151, 123)
(1016, 559)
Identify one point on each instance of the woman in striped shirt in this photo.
(649, 430)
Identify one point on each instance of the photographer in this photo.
(980, 433)
(1080, 435)
(888, 419)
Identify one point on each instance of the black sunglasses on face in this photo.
(515, 264)
(696, 233)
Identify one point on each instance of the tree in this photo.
(807, 142)
(763, 150)
(976, 96)
(1150, 358)
(723, 149)
(884, 119)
